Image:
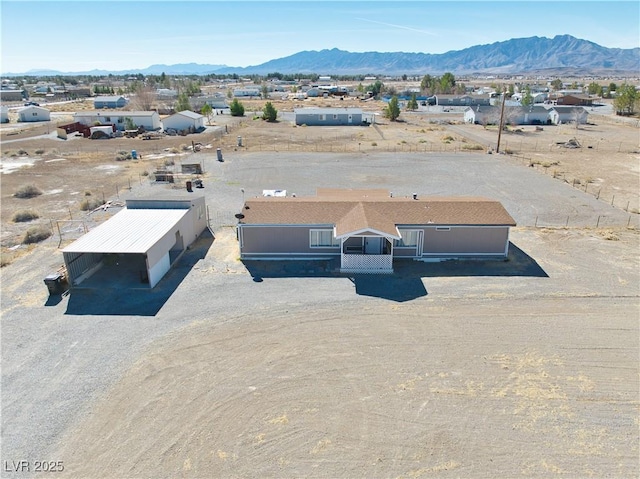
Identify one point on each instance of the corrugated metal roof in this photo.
(128, 231)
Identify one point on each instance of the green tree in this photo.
(392, 110)
(447, 83)
(164, 81)
(428, 84)
(129, 124)
(556, 84)
(269, 113)
(412, 104)
(527, 98)
(376, 88)
(206, 110)
(236, 107)
(594, 89)
(265, 91)
(182, 103)
(626, 100)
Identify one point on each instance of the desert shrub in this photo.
(123, 155)
(472, 147)
(447, 138)
(374, 144)
(22, 152)
(27, 191)
(23, 216)
(87, 193)
(5, 260)
(174, 150)
(145, 173)
(169, 162)
(36, 234)
(184, 147)
(89, 204)
(39, 151)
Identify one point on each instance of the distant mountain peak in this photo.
(515, 56)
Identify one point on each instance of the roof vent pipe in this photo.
(415, 196)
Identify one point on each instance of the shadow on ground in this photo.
(139, 302)
(405, 284)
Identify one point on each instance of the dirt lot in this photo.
(227, 369)
(69, 172)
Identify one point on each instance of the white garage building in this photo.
(33, 113)
(137, 246)
(184, 120)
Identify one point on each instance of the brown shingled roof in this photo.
(353, 212)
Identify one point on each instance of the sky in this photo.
(118, 35)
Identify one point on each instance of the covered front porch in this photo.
(369, 254)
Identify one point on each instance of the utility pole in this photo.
(501, 125)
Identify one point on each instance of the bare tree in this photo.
(144, 99)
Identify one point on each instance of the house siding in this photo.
(465, 241)
(315, 117)
(149, 122)
(280, 241)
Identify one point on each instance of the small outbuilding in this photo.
(568, 114)
(33, 113)
(4, 114)
(328, 116)
(137, 246)
(184, 120)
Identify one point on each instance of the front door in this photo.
(373, 245)
(350, 119)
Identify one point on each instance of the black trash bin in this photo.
(55, 283)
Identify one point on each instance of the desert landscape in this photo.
(527, 367)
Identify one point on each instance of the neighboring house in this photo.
(575, 99)
(513, 115)
(462, 100)
(244, 92)
(568, 114)
(327, 116)
(12, 95)
(540, 97)
(166, 93)
(184, 120)
(4, 114)
(33, 113)
(137, 246)
(367, 229)
(149, 120)
(114, 101)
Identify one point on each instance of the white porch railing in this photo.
(366, 263)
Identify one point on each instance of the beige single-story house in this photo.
(150, 120)
(33, 113)
(184, 120)
(368, 229)
(137, 246)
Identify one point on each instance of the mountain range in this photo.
(563, 53)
